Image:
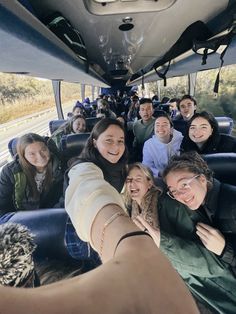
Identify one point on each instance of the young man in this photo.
(143, 128)
(187, 106)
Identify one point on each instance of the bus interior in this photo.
(117, 44)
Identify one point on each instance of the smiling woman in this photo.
(33, 180)
(203, 136)
(105, 152)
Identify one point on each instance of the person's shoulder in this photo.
(151, 141)
(137, 122)
(178, 118)
(84, 167)
(227, 143)
(167, 203)
(177, 134)
(227, 138)
(13, 166)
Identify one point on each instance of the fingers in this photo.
(139, 224)
(205, 226)
(212, 238)
(143, 222)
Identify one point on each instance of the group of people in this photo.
(156, 140)
(186, 219)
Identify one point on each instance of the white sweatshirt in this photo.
(86, 194)
(157, 154)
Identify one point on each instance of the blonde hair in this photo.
(148, 175)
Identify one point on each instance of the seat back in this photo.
(55, 124)
(48, 228)
(225, 124)
(73, 144)
(12, 146)
(223, 165)
(90, 122)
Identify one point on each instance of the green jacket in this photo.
(208, 277)
(14, 189)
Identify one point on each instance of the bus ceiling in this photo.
(120, 41)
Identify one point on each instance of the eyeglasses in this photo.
(182, 187)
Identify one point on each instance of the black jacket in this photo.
(217, 143)
(220, 208)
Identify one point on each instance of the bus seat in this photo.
(158, 112)
(225, 124)
(48, 228)
(90, 122)
(72, 144)
(55, 124)
(223, 166)
(12, 146)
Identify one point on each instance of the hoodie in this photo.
(156, 154)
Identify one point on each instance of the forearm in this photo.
(113, 287)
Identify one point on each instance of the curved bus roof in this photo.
(159, 32)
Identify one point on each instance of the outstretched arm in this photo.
(135, 278)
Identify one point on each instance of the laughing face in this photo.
(137, 184)
(163, 129)
(111, 143)
(187, 188)
(200, 130)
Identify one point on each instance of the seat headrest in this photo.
(225, 124)
(223, 166)
(55, 124)
(73, 144)
(90, 122)
(12, 146)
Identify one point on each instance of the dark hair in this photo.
(207, 116)
(90, 152)
(28, 169)
(67, 127)
(187, 97)
(174, 100)
(191, 162)
(165, 100)
(188, 145)
(144, 101)
(162, 113)
(135, 98)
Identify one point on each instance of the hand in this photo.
(144, 225)
(212, 238)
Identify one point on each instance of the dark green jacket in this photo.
(14, 190)
(209, 277)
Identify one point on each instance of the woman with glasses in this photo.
(198, 230)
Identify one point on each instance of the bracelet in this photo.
(130, 234)
(107, 223)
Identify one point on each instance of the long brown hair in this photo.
(30, 170)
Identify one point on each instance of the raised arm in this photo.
(135, 278)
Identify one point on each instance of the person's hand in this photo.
(212, 238)
(144, 225)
